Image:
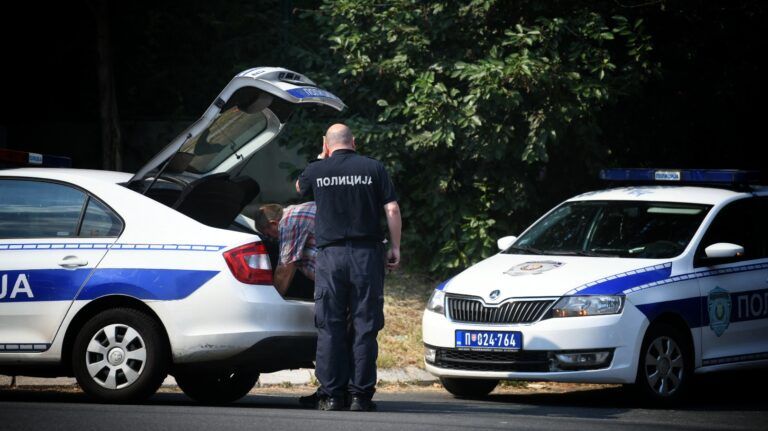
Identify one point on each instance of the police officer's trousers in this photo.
(349, 312)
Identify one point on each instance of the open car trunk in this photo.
(198, 173)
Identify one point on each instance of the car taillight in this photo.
(250, 263)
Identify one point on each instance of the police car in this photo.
(120, 279)
(645, 283)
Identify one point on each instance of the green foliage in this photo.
(469, 102)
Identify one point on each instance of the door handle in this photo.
(72, 262)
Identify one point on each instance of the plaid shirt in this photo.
(297, 237)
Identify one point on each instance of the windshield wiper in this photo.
(530, 250)
(583, 253)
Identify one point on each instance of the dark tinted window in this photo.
(100, 221)
(743, 223)
(36, 209)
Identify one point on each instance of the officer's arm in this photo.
(392, 210)
(303, 183)
(283, 277)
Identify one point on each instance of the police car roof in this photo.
(68, 175)
(683, 194)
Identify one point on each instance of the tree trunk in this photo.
(111, 145)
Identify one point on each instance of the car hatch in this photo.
(247, 115)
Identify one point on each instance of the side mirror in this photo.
(505, 242)
(723, 250)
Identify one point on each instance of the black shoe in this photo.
(360, 404)
(310, 401)
(331, 403)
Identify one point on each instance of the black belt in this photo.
(360, 242)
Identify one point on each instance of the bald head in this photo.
(339, 136)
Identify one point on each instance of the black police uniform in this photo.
(350, 191)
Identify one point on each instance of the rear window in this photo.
(231, 130)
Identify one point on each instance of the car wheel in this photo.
(120, 355)
(665, 365)
(224, 387)
(468, 388)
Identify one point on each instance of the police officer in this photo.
(352, 192)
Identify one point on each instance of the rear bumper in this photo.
(266, 356)
(226, 320)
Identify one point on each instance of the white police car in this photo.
(639, 284)
(120, 279)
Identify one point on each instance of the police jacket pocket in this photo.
(319, 309)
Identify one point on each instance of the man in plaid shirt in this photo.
(289, 235)
(297, 248)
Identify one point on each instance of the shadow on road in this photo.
(729, 392)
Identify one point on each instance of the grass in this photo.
(400, 343)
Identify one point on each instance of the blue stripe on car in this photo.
(150, 284)
(618, 283)
(700, 274)
(310, 92)
(694, 310)
(689, 309)
(442, 285)
(147, 284)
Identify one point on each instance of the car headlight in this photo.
(592, 305)
(436, 302)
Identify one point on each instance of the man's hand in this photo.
(325, 153)
(392, 211)
(393, 258)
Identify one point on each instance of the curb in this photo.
(298, 377)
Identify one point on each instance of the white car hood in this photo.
(515, 276)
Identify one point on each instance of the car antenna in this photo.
(165, 165)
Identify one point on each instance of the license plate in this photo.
(489, 340)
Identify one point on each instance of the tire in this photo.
(665, 365)
(220, 388)
(130, 366)
(468, 388)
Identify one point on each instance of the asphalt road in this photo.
(716, 407)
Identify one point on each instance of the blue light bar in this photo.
(677, 176)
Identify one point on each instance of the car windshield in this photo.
(653, 230)
(231, 130)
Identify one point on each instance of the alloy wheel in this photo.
(664, 366)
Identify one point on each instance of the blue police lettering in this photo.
(752, 306)
(20, 286)
(346, 180)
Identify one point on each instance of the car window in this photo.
(37, 209)
(743, 223)
(100, 221)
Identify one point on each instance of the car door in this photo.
(52, 236)
(735, 291)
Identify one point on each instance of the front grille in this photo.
(523, 361)
(461, 309)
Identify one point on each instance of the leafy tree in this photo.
(472, 103)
